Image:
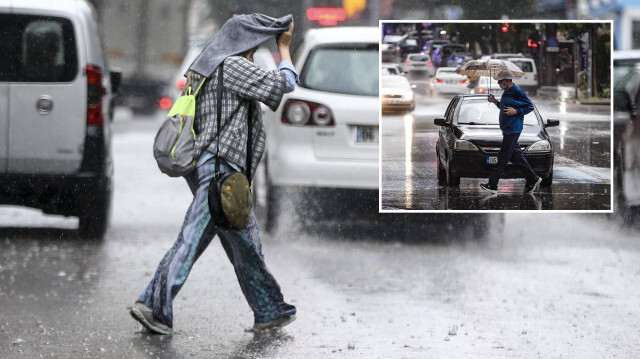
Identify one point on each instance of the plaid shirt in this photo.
(244, 85)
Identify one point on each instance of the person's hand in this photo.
(510, 111)
(284, 39)
(491, 98)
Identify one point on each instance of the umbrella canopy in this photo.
(489, 67)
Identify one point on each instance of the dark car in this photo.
(470, 138)
(444, 52)
(408, 45)
(432, 45)
(626, 155)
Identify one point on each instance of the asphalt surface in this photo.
(582, 168)
(544, 286)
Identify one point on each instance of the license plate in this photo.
(366, 134)
(451, 81)
(492, 160)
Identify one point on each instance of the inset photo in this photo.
(496, 116)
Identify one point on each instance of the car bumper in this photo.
(56, 194)
(474, 165)
(305, 170)
(398, 105)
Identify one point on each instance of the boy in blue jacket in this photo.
(513, 105)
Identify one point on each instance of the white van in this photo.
(56, 106)
(528, 82)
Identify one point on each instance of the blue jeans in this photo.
(510, 151)
(243, 247)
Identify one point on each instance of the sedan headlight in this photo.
(540, 146)
(462, 145)
(407, 95)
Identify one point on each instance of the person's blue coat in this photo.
(516, 98)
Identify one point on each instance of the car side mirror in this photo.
(552, 122)
(440, 121)
(116, 80)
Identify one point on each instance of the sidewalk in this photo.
(567, 94)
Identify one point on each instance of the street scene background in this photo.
(366, 285)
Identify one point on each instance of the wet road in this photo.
(548, 286)
(582, 171)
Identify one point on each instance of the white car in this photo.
(446, 80)
(487, 85)
(396, 94)
(529, 81)
(419, 63)
(325, 133)
(56, 107)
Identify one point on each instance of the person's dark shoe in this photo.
(144, 315)
(488, 188)
(274, 324)
(532, 187)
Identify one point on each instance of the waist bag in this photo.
(230, 198)
(174, 144)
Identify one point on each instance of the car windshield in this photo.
(342, 69)
(525, 66)
(480, 112)
(394, 82)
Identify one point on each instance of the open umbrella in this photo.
(488, 67)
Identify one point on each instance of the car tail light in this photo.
(438, 80)
(306, 113)
(94, 96)
(535, 77)
(180, 83)
(464, 81)
(408, 63)
(429, 63)
(481, 90)
(165, 103)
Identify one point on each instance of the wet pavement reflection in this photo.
(582, 168)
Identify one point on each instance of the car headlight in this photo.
(462, 145)
(407, 95)
(540, 146)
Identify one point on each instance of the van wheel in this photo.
(94, 220)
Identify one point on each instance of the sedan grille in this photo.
(497, 149)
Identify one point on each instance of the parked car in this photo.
(626, 154)
(419, 63)
(396, 94)
(325, 133)
(446, 80)
(56, 108)
(487, 85)
(470, 137)
(442, 55)
(528, 82)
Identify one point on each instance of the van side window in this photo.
(37, 49)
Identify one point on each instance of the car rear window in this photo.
(482, 112)
(345, 69)
(418, 58)
(37, 49)
(525, 66)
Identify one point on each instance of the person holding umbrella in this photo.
(514, 105)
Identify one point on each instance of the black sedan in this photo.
(470, 138)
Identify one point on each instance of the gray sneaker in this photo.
(274, 324)
(144, 315)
